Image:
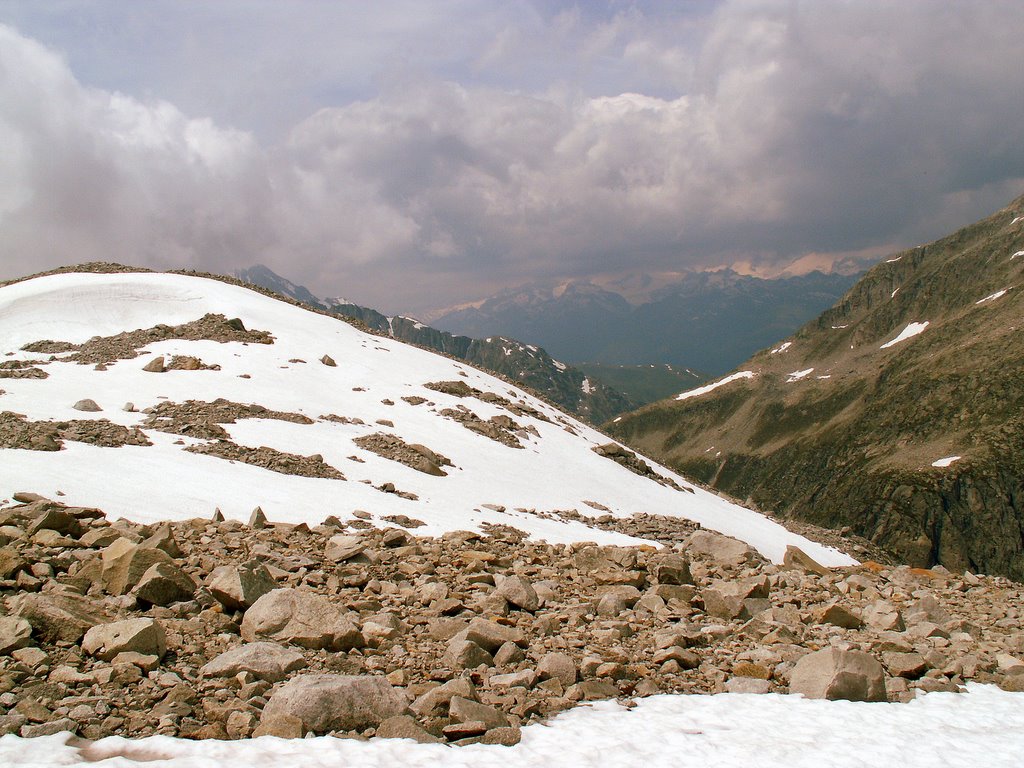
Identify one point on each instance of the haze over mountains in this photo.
(897, 412)
(707, 321)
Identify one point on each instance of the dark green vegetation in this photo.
(644, 383)
(531, 366)
(852, 443)
(709, 321)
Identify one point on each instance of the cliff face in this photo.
(855, 420)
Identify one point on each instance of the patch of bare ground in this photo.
(269, 458)
(16, 431)
(103, 350)
(413, 455)
(200, 419)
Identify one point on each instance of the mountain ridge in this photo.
(708, 321)
(851, 420)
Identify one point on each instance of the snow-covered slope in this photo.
(554, 470)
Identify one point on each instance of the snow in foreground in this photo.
(984, 727)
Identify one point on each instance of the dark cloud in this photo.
(637, 139)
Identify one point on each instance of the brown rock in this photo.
(239, 587)
(835, 674)
(336, 702)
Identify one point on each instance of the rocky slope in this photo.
(217, 629)
(896, 413)
(525, 364)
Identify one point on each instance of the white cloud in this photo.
(758, 132)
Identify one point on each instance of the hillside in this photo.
(897, 412)
(251, 401)
(527, 364)
(708, 321)
(226, 516)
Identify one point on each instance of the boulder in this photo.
(466, 710)
(124, 563)
(519, 592)
(267, 661)
(436, 700)
(60, 617)
(239, 587)
(406, 727)
(87, 405)
(162, 538)
(728, 599)
(796, 559)
(143, 636)
(672, 569)
(15, 633)
(56, 519)
(719, 548)
(465, 654)
(156, 365)
(326, 703)
(490, 635)
(836, 674)
(840, 616)
(300, 618)
(593, 558)
(163, 584)
(558, 666)
(344, 547)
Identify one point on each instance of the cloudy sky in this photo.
(409, 155)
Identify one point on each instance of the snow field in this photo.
(983, 727)
(556, 470)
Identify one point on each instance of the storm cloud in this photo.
(537, 142)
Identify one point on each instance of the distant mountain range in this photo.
(899, 412)
(706, 321)
(526, 364)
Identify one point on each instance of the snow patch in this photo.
(1018, 253)
(1016, 219)
(782, 347)
(890, 261)
(586, 387)
(911, 330)
(839, 327)
(982, 727)
(559, 366)
(893, 294)
(797, 375)
(994, 296)
(946, 461)
(715, 385)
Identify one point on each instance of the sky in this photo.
(410, 155)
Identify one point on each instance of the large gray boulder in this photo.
(269, 661)
(519, 592)
(143, 636)
(300, 618)
(163, 584)
(124, 562)
(336, 702)
(721, 549)
(237, 587)
(15, 633)
(64, 617)
(835, 674)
